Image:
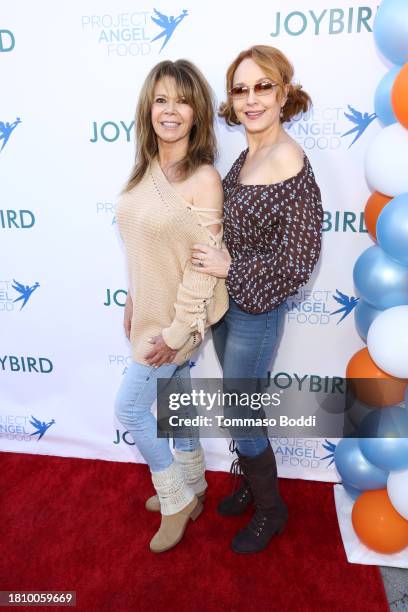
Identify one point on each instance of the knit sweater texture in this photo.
(159, 228)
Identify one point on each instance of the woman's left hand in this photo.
(209, 260)
(161, 353)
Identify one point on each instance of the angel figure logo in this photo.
(361, 122)
(5, 131)
(168, 25)
(347, 303)
(40, 427)
(25, 292)
(330, 447)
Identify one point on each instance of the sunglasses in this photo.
(260, 89)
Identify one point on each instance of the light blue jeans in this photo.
(133, 404)
(246, 345)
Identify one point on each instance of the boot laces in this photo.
(258, 522)
(236, 471)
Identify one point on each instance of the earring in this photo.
(281, 113)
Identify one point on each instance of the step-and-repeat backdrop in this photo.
(70, 79)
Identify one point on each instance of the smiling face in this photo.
(172, 117)
(256, 113)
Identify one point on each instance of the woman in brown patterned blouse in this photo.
(272, 231)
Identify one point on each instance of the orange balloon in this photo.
(378, 525)
(399, 96)
(371, 385)
(374, 206)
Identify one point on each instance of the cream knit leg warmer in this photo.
(192, 465)
(173, 492)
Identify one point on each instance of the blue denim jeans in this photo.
(133, 404)
(246, 344)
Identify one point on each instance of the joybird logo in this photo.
(7, 41)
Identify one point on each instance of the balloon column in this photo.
(375, 469)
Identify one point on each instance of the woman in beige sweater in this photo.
(173, 200)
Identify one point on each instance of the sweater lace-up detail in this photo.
(170, 297)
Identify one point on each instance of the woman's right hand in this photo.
(127, 317)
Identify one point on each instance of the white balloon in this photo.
(387, 341)
(386, 162)
(397, 488)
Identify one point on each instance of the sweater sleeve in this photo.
(261, 281)
(194, 294)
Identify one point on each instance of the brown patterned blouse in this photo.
(273, 234)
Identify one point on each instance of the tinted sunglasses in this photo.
(260, 89)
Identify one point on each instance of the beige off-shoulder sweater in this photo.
(169, 296)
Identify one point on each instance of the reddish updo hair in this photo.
(278, 68)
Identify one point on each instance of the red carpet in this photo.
(74, 524)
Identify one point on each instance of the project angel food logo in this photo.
(122, 362)
(330, 127)
(106, 211)
(23, 428)
(360, 122)
(6, 129)
(15, 294)
(330, 447)
(133, 34)
(307, 453)
(319, 307)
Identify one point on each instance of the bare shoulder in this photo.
(207, 187)
(207, 175)
(287, 159)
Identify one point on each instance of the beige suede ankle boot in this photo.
(178, 505)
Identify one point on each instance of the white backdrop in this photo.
(72, 76)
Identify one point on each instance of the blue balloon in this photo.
(392, 229)
(382, 98)
(379, 280)
(387, 449)
(391, 30)
(353, 493)
(354, 468)
(364, 315)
